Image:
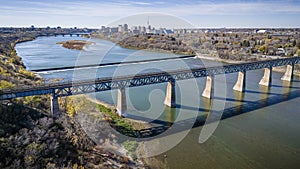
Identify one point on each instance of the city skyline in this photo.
(200, 14)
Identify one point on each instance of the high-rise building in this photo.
(120, 28)
(114, 30)
(125, 28)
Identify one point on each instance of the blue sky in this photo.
(208, 13)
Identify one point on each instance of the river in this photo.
(265, 134)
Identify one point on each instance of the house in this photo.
(281, 52)
(262, 31)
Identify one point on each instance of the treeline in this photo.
(156, 42)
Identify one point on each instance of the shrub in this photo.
(26, 73)
(131, 146)
(6, 85)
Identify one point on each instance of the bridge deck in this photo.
(102, 84)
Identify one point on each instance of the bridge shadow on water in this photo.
(291, 87)
(244, 107)
(233, 100)
(261, 92)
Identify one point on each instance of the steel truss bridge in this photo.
(103, 84)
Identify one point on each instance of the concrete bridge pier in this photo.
(267, 78)
(209, 87)
(122, 104)
(170, 99)
(54, 106)
(289, 74)
(241, 82)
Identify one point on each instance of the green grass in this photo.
(119, 123)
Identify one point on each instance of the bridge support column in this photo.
(289, 74)
(122, 104)
(209, 87)
(241, 82)
(170, 99)
(267, 78)
(54, 107)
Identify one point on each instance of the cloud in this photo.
(77, 11)
(121, 8)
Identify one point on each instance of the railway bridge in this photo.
(69, 88)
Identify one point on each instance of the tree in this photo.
(200, 41)
(294, 43)
(245, 43)
(262, 48)
(298, 52)
(298, 45)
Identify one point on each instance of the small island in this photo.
(75, 44)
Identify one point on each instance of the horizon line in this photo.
(72, 27)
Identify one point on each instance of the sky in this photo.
(161, 13)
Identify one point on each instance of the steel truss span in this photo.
(102, 84)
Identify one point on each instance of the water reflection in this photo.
(239, 99)
(170, 114)
(264, 94)
(207, 103)
(286, 89)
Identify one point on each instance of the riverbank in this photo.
(207, 57)
(111, 125)
(140, 150)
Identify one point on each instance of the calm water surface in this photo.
(266, 134)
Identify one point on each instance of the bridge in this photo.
(120, 83)
(71, 34)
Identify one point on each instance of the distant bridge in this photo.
(72, 34)
(121, 82)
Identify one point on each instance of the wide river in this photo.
(265, 134)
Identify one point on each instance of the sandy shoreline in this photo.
(90, 98)
(218, 59)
